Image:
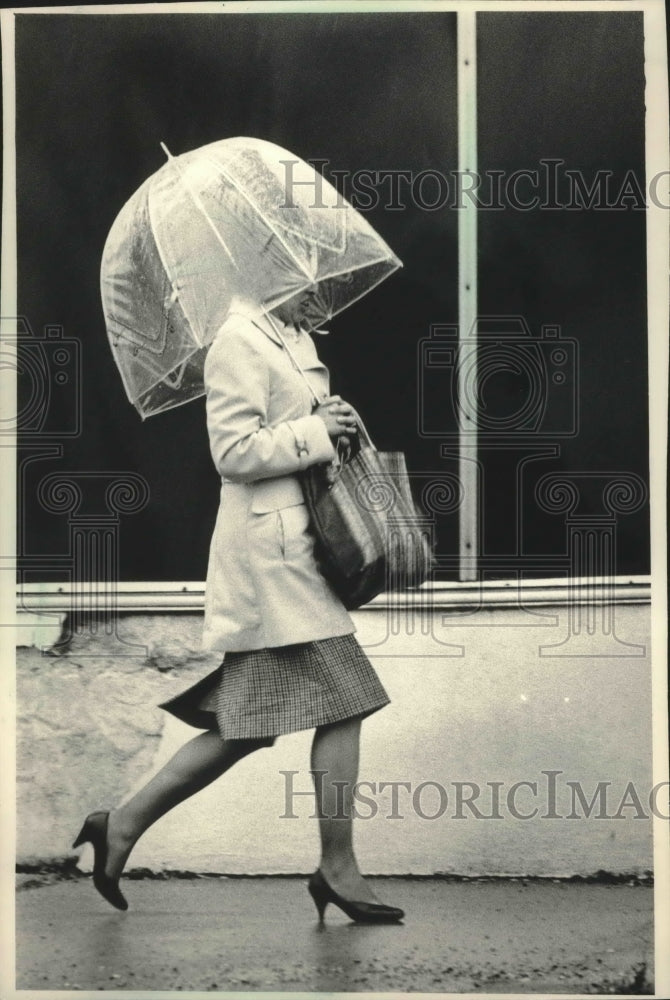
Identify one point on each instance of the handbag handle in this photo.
(363, 431)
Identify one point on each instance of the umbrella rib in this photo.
(197, 202)
(180, 369)
(267, 222)
(369, 288)
(161, 380)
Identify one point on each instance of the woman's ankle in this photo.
(339, 868)
(120, 827)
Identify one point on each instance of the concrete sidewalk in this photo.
(239, 934)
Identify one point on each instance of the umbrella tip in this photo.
(166, 151)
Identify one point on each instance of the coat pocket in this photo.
(280, 521)
(295, 539)
(282, 536)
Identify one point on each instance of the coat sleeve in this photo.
(244, 448)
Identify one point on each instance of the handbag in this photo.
(369, 535)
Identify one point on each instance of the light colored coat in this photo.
(263, 586)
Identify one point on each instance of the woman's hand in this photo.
(338, 416)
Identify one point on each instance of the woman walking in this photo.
(291, 661)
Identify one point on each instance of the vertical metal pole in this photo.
(658, 264)
(467, 292)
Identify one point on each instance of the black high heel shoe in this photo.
(94, 832)
(362, 913)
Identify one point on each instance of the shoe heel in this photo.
(83, 836)
(319, 901)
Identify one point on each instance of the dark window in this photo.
(96, 94)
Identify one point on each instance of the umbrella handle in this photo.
(363, 431)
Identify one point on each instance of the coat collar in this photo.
(270, 326)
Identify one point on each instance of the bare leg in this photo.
(335, 750)
(198, 763)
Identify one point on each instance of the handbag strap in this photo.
(363, 431)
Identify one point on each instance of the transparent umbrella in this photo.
(238, 219)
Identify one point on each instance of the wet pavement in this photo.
(261, 934)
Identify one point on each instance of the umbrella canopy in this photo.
(239, 219)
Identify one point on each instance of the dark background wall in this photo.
(96, 94)
(568, 87)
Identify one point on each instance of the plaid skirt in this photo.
(267, 692)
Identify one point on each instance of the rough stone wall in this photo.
(87, 723)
